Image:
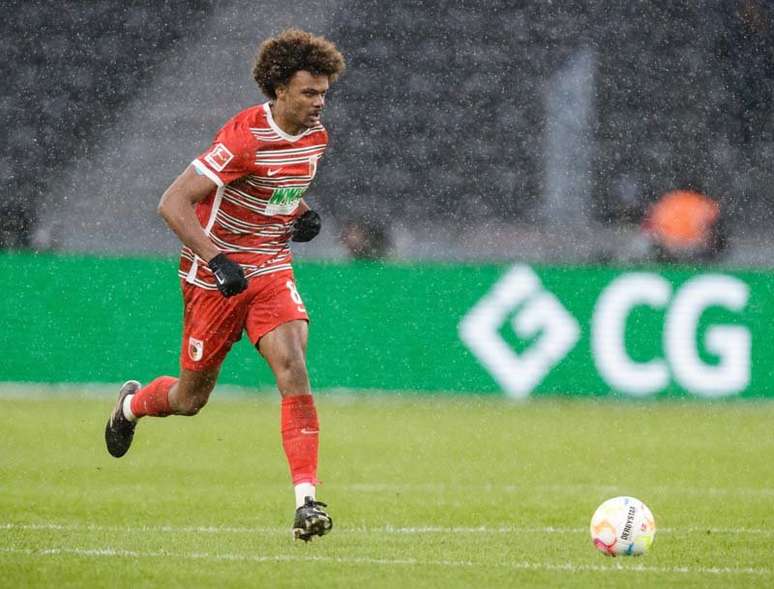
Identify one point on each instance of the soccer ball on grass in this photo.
(623, 526)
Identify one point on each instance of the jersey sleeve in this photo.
(231, 155)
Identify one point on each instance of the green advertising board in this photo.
(517, 330)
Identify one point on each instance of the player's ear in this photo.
(280, 90)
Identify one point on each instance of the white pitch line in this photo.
(566, 488)
(394, 530)
(286, 530)
(523, 565)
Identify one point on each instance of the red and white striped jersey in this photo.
(261, 174)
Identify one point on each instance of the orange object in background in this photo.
(682, 220)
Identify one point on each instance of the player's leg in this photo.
(164, 396)
(211, 324)
(285, 351)
(174, 396)
(284, 348)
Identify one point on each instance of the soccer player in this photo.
(235, 208)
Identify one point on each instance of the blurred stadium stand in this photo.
(674, 91)
(68, 67)
(438, 125)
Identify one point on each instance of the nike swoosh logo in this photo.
(309, 432)
(272, 172)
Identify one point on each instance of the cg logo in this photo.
(519, 301)
(730, 344)
(538, 313)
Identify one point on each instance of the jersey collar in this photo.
(275, 127)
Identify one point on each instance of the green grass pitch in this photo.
(424, 492)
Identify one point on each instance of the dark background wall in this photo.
(438, 128)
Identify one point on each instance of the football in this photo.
(623, 526)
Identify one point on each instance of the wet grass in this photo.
(425, 492)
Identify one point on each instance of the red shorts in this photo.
(212, 322)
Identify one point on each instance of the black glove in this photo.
(307, 226)
(228, 275)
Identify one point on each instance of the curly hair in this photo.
(291, 51)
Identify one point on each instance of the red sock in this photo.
(300, 437)
(154, 398)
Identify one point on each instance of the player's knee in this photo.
(291, 374)
(192, 405)
(292, 360)
(293, 364)
(192, 398)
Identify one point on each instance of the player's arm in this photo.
(176, 207)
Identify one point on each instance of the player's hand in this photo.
(228, 275)
(307, 226)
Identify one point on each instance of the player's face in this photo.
(303, 98)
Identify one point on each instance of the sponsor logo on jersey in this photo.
(219, 157)
(285, 196)
(284, 200)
